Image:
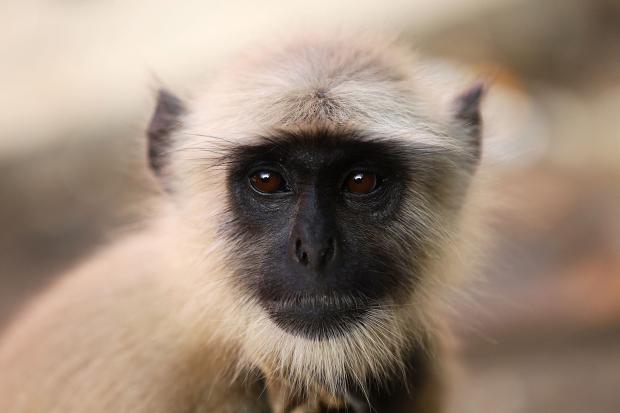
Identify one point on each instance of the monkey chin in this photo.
(317, 318)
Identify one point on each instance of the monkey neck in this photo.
(417, 387)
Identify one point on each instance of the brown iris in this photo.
(267, 182)
(360, 182)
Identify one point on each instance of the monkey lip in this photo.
(317, 317)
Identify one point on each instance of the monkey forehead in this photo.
(375, 86)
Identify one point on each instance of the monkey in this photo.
(313, 195)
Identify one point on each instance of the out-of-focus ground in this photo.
(541, 333)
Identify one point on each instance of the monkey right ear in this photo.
(165, 120)
(467, 111)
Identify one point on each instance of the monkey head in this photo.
(330, 180)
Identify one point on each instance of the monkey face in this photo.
(318, 189)
(328, 226)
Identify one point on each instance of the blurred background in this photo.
(541, 332)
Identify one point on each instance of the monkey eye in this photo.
(267, 182)
(361, 182)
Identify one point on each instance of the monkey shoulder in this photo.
(106, 330)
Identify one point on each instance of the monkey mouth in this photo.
(317, 318)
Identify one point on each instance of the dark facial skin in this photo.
(312, 218)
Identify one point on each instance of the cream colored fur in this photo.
(155, 322)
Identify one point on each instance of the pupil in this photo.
(265, 177)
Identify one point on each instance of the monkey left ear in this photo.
(466, 109)
(165, 120)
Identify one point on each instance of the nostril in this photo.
(328, 251)
(330, 247)
(302, 256)
(304, 259)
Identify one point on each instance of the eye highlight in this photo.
(361, 182)
(267, 182)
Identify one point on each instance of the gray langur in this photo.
(313, 196)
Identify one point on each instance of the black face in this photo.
(318, 226)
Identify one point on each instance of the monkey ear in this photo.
(466, 109)
(165, 120)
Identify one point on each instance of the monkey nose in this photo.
(315, 255)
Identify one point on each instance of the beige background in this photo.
(541, 334)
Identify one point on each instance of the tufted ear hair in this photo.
(466, 110)
(165, 120)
